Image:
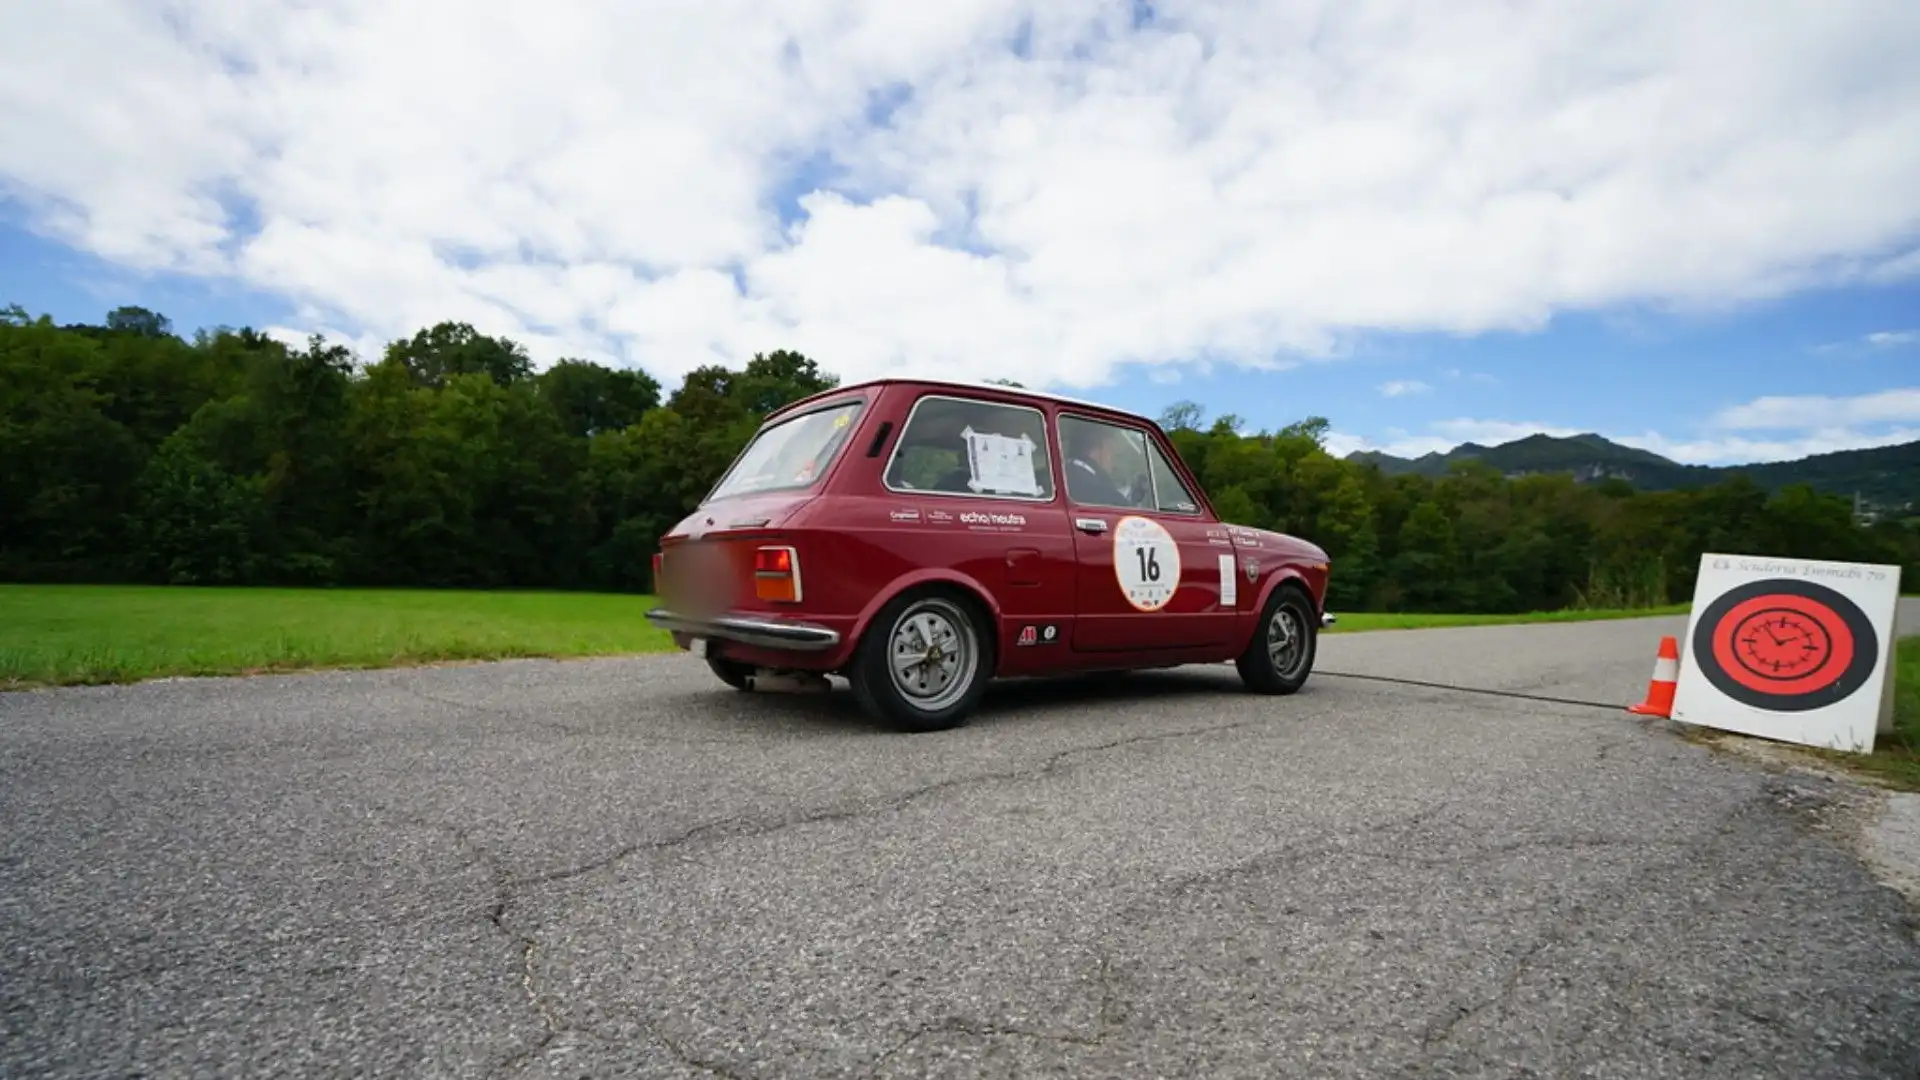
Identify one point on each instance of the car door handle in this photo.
(1092, 525)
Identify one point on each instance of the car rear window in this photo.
(967, 446)
(790, 454)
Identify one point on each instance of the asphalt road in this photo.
(624, 868)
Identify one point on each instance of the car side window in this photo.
(965, 446)
(1106, 464)
(1170, 494)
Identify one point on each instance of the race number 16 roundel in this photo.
(1147, 562)
(1785, 645)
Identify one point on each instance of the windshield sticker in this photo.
(1147, 563)
(999, 463)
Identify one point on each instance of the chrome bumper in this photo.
(766, 633)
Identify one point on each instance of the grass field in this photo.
(1896, 755)
(79, 634)
(74, 634)
(1363, 621)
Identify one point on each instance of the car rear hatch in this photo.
(732, 555)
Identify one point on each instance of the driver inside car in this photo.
(1092, 465)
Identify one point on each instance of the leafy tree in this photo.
(594, 400)
(445, 350)
(129, 453)
(1182, 416)
(139, 322)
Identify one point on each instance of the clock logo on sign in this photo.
(1785, 645)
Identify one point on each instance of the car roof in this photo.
(967, 384)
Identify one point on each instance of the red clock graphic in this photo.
(1785, 645)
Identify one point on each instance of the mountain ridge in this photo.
(1885, 476)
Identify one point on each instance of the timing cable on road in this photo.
(1470, 689)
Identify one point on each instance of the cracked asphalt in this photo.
(623, 868)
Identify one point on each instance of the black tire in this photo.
(1283, 670)
(924, 704)
(732, 672)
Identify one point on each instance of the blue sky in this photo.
(1700, 235)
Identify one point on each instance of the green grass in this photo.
(1896, 754)
(1362, 621)
(52, 635)
(79, 634)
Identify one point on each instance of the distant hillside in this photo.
(1887, 476)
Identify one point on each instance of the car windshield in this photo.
(790, 454)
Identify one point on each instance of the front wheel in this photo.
(924, 662)
(1280, 656)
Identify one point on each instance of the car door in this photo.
(970, 485)
(1153, 570)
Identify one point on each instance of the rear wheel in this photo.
(732, 672)
(924, 662)
(1280, 656)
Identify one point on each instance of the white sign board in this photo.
(1000, 464)
(1798, 650)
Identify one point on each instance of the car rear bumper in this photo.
(782, 634)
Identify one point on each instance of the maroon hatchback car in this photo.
(921, 537)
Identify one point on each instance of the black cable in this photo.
(1472, 690)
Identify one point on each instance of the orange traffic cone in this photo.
(1666, 674)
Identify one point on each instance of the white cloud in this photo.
(1442, 436)
(1735, 450)
(1879, 339)
(1404, 387)
(1475, 376)
(1489, 432)
(1811, 412)
(1254, 183)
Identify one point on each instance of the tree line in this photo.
(131, 454)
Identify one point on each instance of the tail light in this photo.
(776, 575)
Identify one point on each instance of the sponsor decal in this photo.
(908, 514)
(939, 517)
(992, 520)
(1250, 567)
(1038, 635)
